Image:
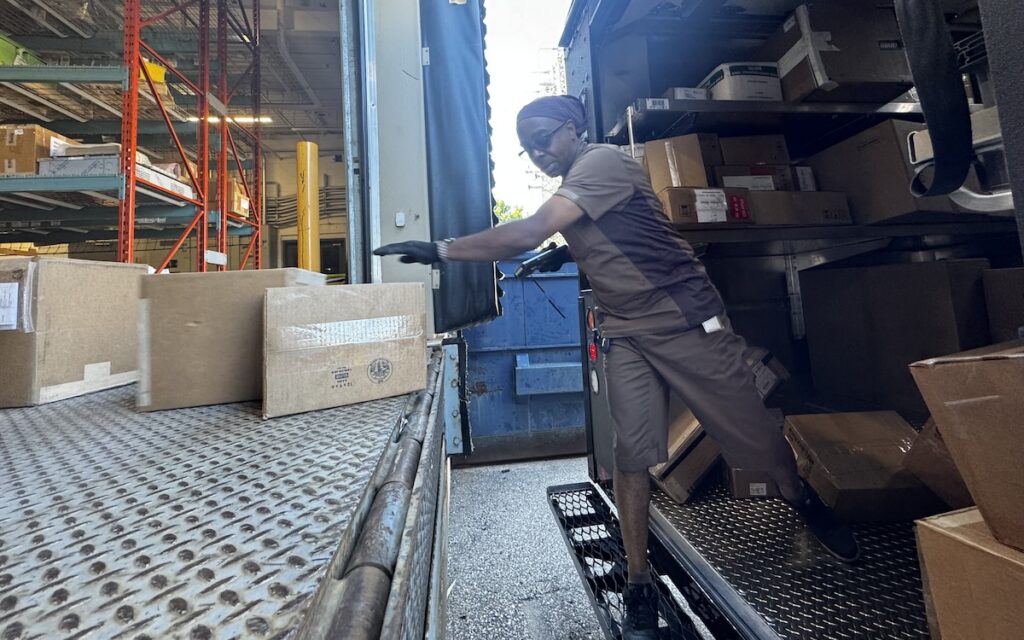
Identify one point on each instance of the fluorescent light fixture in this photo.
(238, 119)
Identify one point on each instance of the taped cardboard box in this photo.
(744, 81)
(850, 51)
(754, 150)
(67, 328)
(854, 462)
(973, 583)
(929, 459)
(977, 401)
(1004, 299)
(800, 207)
(201, 335)
(334, 346)
(22, 145)
(758, 177)
(746, 483)
(706, 206)
(682, 161)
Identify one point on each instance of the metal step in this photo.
(591, 532)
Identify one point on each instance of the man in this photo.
(666, 323)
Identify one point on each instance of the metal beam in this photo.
(46, 183)
(160, 214)
(57, 73)
(65, 237)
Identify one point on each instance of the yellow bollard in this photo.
(308, 205)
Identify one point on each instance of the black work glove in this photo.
(553, 261)
(411, 252)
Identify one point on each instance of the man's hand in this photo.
(411, 252)
(553, 261)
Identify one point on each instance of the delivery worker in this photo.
(665, 321)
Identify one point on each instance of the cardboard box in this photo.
(854, 461)
(873, 168)
(752, 150)
(973, 582)
(68, 328)
(239, 200)
(332, 346)
(849, 51)
(977, 401)
(744, 81)
(779, 177)
(201, 335)
(744, 483)
(23, 145)
(1004, 298)
(800, 207)
(687, 93)
(706, 206)
(683, 476)
(682, 161)
(929, 459)
(866, 325)
(804, 179)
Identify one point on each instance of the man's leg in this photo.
(633, 499)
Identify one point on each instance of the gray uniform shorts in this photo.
(708, 372)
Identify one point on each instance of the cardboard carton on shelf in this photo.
(977, 401)
(706, 206)
(754, 150)
(800, 207)
(1004, 298)
(682, 161)
(687, 93)
(333, 346)
(67, 328)
(744, 81)
(758, 177)
(201, 335)
(849, 51)
(929, 459)
(22, 145)
(973, 583)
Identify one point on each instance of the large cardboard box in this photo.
(706, 206)
(854, 461)
(332, 346)
(974, 583)
(201, 336)
(682, 161)
(744, 81)
(977, 400)
(873, 169)
(67, 328)
(866, 325)
(751, 150)
(929, 459)
(850, 51)
(800, 207)
(1004, 298)
(21, 145)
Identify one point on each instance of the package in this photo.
(201, 335)
(1004, 297)
(849, 51)
(23, 145)
(744, 483)
(687, 93)
(873, 169)
(75, 150)
(986, 130)
(758, 177)
(67, 328)
(800, 207)
(977, 401)
(929, 459)
(682, 476)
(854, 462)
(80, 166)
(753, 150)
(682, 161)
(744, 81)
(803, 178)
(705, 206)
(866, 325)
(332, 346)
(13, 54)
(973, 583)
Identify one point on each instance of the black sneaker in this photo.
(833, 534)
(641, 620)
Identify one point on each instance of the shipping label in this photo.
(711, 205)
(658, 104)
(8, 306)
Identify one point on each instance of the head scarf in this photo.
(561, 108)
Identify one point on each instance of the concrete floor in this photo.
(508, 565)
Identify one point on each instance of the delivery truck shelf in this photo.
(759, 233)
(210, 522)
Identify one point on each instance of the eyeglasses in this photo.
(542, 141)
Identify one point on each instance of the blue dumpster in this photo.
(524, 384)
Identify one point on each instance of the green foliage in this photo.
(505, 212)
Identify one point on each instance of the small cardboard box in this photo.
(67, 328)
(687, 93)
(929, 459)
(753, 150)
(973, 583)
(800, 207)
(682, 161)
(744, 81)
(333, 346)
(744, 483)
(779, 177)
(977, 400)
(854, 461)
(849, 51)
(1004, 298)
(201, 335)
(22, 145)
(706, 206)
(683, 476)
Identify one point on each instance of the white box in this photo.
(744, 81)
(751, 183)
(687, 93)
(89, 166)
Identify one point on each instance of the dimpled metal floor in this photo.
(196, 523)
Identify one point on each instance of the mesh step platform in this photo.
(197, 523)
(591, 531)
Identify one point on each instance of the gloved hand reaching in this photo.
(553, 261)
(413, 251)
